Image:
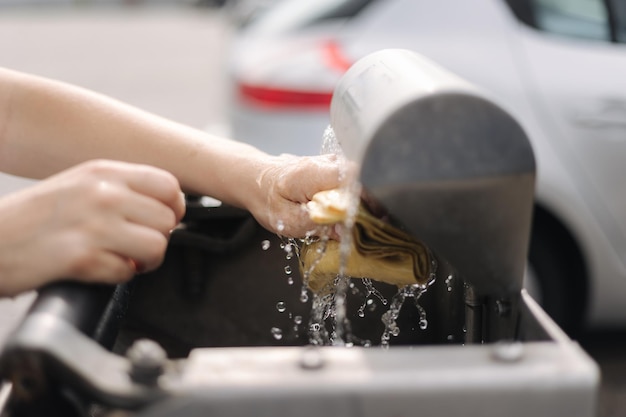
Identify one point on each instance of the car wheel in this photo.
(556, 276)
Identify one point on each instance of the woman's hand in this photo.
(286, 184)
(100, 221)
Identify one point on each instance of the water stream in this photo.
(329, 324)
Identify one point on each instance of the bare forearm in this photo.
(47, 126)
(50, 126)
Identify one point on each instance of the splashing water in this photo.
(288, 251)
(369, 287)
(276, 333)
(448, 282)
(324, 238)
(330, 144)
(414, 292)
(341, 283)
(328, 323)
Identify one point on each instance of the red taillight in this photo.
(275, 97)
(335, 58)
(278, 97)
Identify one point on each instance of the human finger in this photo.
(158, 184)
(306, 176)
(105, 267)
(148, 212)
(144, 246)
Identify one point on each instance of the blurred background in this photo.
(262, 71)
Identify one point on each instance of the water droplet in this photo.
(280, 225)
(361, 313)
(395, 331)
(277, 333)
(450, 338)
(265, 245)
(370, 302)
(280, 306)
(315, 327)
(290, 281)
(367, 343)
(297, 319)
(304, 297)
(423, 324)
(448, 282)
(288, 270)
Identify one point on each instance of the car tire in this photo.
(556, 269)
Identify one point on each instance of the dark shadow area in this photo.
(608, 349)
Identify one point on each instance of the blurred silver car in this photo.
(558, 65)
(241, 12)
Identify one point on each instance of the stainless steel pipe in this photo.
(448, 163)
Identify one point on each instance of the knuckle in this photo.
(107, 195)
(282, 182)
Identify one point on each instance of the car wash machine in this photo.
(203, 336)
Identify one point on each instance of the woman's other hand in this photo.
(100, 221)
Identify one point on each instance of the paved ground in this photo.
(169, 62)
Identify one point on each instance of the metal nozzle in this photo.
(448, 164)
